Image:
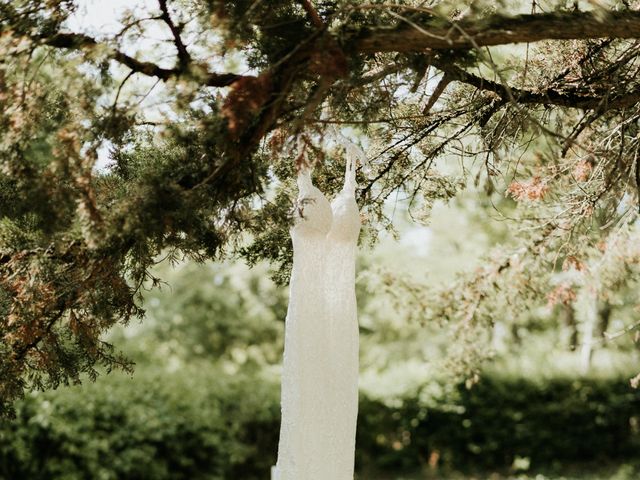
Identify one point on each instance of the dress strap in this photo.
(350, 170)
(353, 154)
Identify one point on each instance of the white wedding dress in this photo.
(320, 368)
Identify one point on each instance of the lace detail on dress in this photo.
(313, 212)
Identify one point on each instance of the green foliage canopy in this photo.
(554, 125)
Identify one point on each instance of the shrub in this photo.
(502, 419)
(196, 424)
(201, 424)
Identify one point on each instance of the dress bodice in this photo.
(346, 218)
(313, 215)
(340, 220)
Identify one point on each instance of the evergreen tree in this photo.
(553, 124)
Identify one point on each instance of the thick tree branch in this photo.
(432, 35)
(499, 30)
(495, 30)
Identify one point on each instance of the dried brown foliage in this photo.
(245, 101)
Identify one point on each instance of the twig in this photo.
(439, 90)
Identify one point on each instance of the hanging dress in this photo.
(320, 366)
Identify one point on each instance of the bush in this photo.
(501, 420)
(202, 424)
(188, 425)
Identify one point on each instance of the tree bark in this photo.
(500, 30)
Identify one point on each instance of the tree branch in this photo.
(433, 34)
(313, 14)
(569, 98)
(495, 30)
(79, 41)
(136, 23)
(499, 30)
(439, 90)
(183, 55)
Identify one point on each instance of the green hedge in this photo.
(200, 424)
(192, 425)
(501, 419)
